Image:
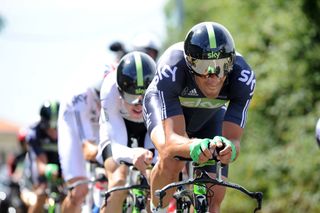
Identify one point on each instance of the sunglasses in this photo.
(132, 99)
(209, 68)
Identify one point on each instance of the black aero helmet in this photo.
(134, 74)
(209, 49)
(49, 113)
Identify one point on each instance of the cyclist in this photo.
(78, 136)
(16, 166)
(318, 132)
(41, 139)
(122, 131)
(147, 43)
(202, 89)
(143, 42)
(10, 181)
(118, 48)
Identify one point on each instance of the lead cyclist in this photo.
(198, 99)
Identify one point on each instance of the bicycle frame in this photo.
(89, 201)
(204, 178)
(137, 187)
(55, 195)
(55, 192)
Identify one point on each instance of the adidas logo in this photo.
(193, 92)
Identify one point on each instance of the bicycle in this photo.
(55, 193)
(10, 200)
(55, 190)
(198, 196)
(138, 191)
(96, 184)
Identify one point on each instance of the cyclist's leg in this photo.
(72, 164)
(167, 169)
(99, 188)
(37, 205)
(38, 186)
(217, 199)
(117, 175)
(164, 172)
(75, 198)
(218, 191)
(26, 193)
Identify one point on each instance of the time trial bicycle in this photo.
(197, 197)
(138, 191)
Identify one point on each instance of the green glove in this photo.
(50, 170)
(197, 147)
(227, 142)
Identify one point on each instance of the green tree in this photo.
(1, 23)
(280, 40)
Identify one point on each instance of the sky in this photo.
(49, 47)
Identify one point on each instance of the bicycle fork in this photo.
(200, 192)
(139, 197)
(200, 198)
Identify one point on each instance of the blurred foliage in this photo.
(281, 41)
(1, 23)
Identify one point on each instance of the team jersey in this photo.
(40, 143)
(81, 112)
(78, 122)
(176, 92)
(117, 127)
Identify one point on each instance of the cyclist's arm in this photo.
(232, 132)
(130, 155)
(112, 130)
(35, 145)
(85, 125)
(90, 150)
(242, 86)
(41, 162)
(171, 138)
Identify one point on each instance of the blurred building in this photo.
(8, 138)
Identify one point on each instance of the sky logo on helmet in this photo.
(213, 55)
(139, 91)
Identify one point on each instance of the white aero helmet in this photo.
(147, 43)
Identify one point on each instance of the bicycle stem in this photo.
(218, 171)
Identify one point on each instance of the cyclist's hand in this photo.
(224, 155)
(201, 150)
(51, 171)
(142, 158)
(205, 151)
